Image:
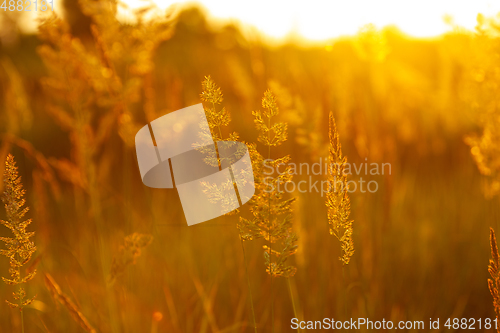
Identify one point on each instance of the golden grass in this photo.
(64, 300)
(128, 254)
(19, 246)
(403, 101)
(337, 198)
(272, 215)
(494, 270)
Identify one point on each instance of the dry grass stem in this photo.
(72, 308)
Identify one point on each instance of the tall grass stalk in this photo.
(272, 215)
(19, 247)
(293, 300)
(344, 291)
(338, 203)
(249, 286)
(270, 228)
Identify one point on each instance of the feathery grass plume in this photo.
(93, 87)
(272, 214)
(63, 299)
(129, 252)
(19, 247)
(212, 95)
(218, 193)
(216, 118)
(94, 84)
(494, 270)
(337, 197)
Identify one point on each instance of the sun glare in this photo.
(319, 19)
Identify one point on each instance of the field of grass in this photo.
(113, 255)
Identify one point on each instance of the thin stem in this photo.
(220, 138)
(344, 292)
(270, 226)
(95, 205)
(249, 288)
(22, 321)
(293, 302)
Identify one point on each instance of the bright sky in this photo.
(322, 19)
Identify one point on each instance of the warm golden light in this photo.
(319, 19)
(249, 167)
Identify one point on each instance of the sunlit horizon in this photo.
(320, 20)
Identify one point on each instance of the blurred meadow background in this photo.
(116, 256)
